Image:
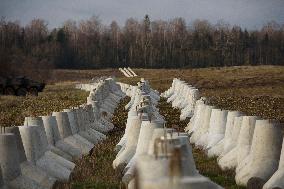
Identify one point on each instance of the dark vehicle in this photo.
(2, 85)
(20, 86)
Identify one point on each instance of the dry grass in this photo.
(81, 75)
(54, 98)
(253, 90)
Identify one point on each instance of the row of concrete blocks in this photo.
(182, 96)
(92, 83)
(106, 83)
(40, 153)
(151, 156)
(247, 144)
(128, 72)
(142, 87)
(133, 90)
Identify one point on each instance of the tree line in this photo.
(144, 43)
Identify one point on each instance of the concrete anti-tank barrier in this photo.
(202, 129)
(10, 165)
(217, 129)
(37, 154)
(66, 133)
(145, 135)
(54, 138)
(50, 150)
(264, 155)
(124, 157)
(247, 144)
(29, 169)
(176, 171)
(40, 156)
(225, 145)
(277, 181)
(149, 168)
(230, 159)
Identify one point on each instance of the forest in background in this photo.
(144, 43)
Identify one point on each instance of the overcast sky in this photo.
(251, 14)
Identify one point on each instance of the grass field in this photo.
(253, 90)
(55, 97)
